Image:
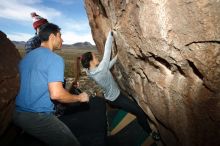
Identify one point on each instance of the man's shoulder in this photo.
(55, 56)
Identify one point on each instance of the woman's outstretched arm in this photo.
(104, 64)
(113, 61)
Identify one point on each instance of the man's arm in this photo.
(57, 92)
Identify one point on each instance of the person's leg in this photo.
(46, 127)
(130, 106)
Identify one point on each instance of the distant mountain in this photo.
(19, 44)
(85, 44)
(79, 45)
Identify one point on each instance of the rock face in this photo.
(169, 61)
(9, 80)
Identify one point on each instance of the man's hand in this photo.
(111, 32)
(84, 97)
(76, 84)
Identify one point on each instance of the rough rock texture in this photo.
(9, 80)
(169, 61)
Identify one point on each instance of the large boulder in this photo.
(9, 80)
(169, 62)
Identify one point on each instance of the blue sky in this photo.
(70, 15)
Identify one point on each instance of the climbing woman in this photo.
(100, 73)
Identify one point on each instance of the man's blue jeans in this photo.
(46, 127)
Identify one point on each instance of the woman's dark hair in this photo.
(85, 59)
(46, 30)
(74, 88)
(77, 69)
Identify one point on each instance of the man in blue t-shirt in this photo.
(41, 77)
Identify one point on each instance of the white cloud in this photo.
(71, 38)
(76, 28)
(68, 37)
(76, 25)
(20, 10)
(75, 31)
(19, 36)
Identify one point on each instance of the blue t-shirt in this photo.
(37, 69)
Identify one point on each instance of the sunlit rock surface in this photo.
(169, 61)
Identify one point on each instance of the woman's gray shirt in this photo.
(102, 75)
